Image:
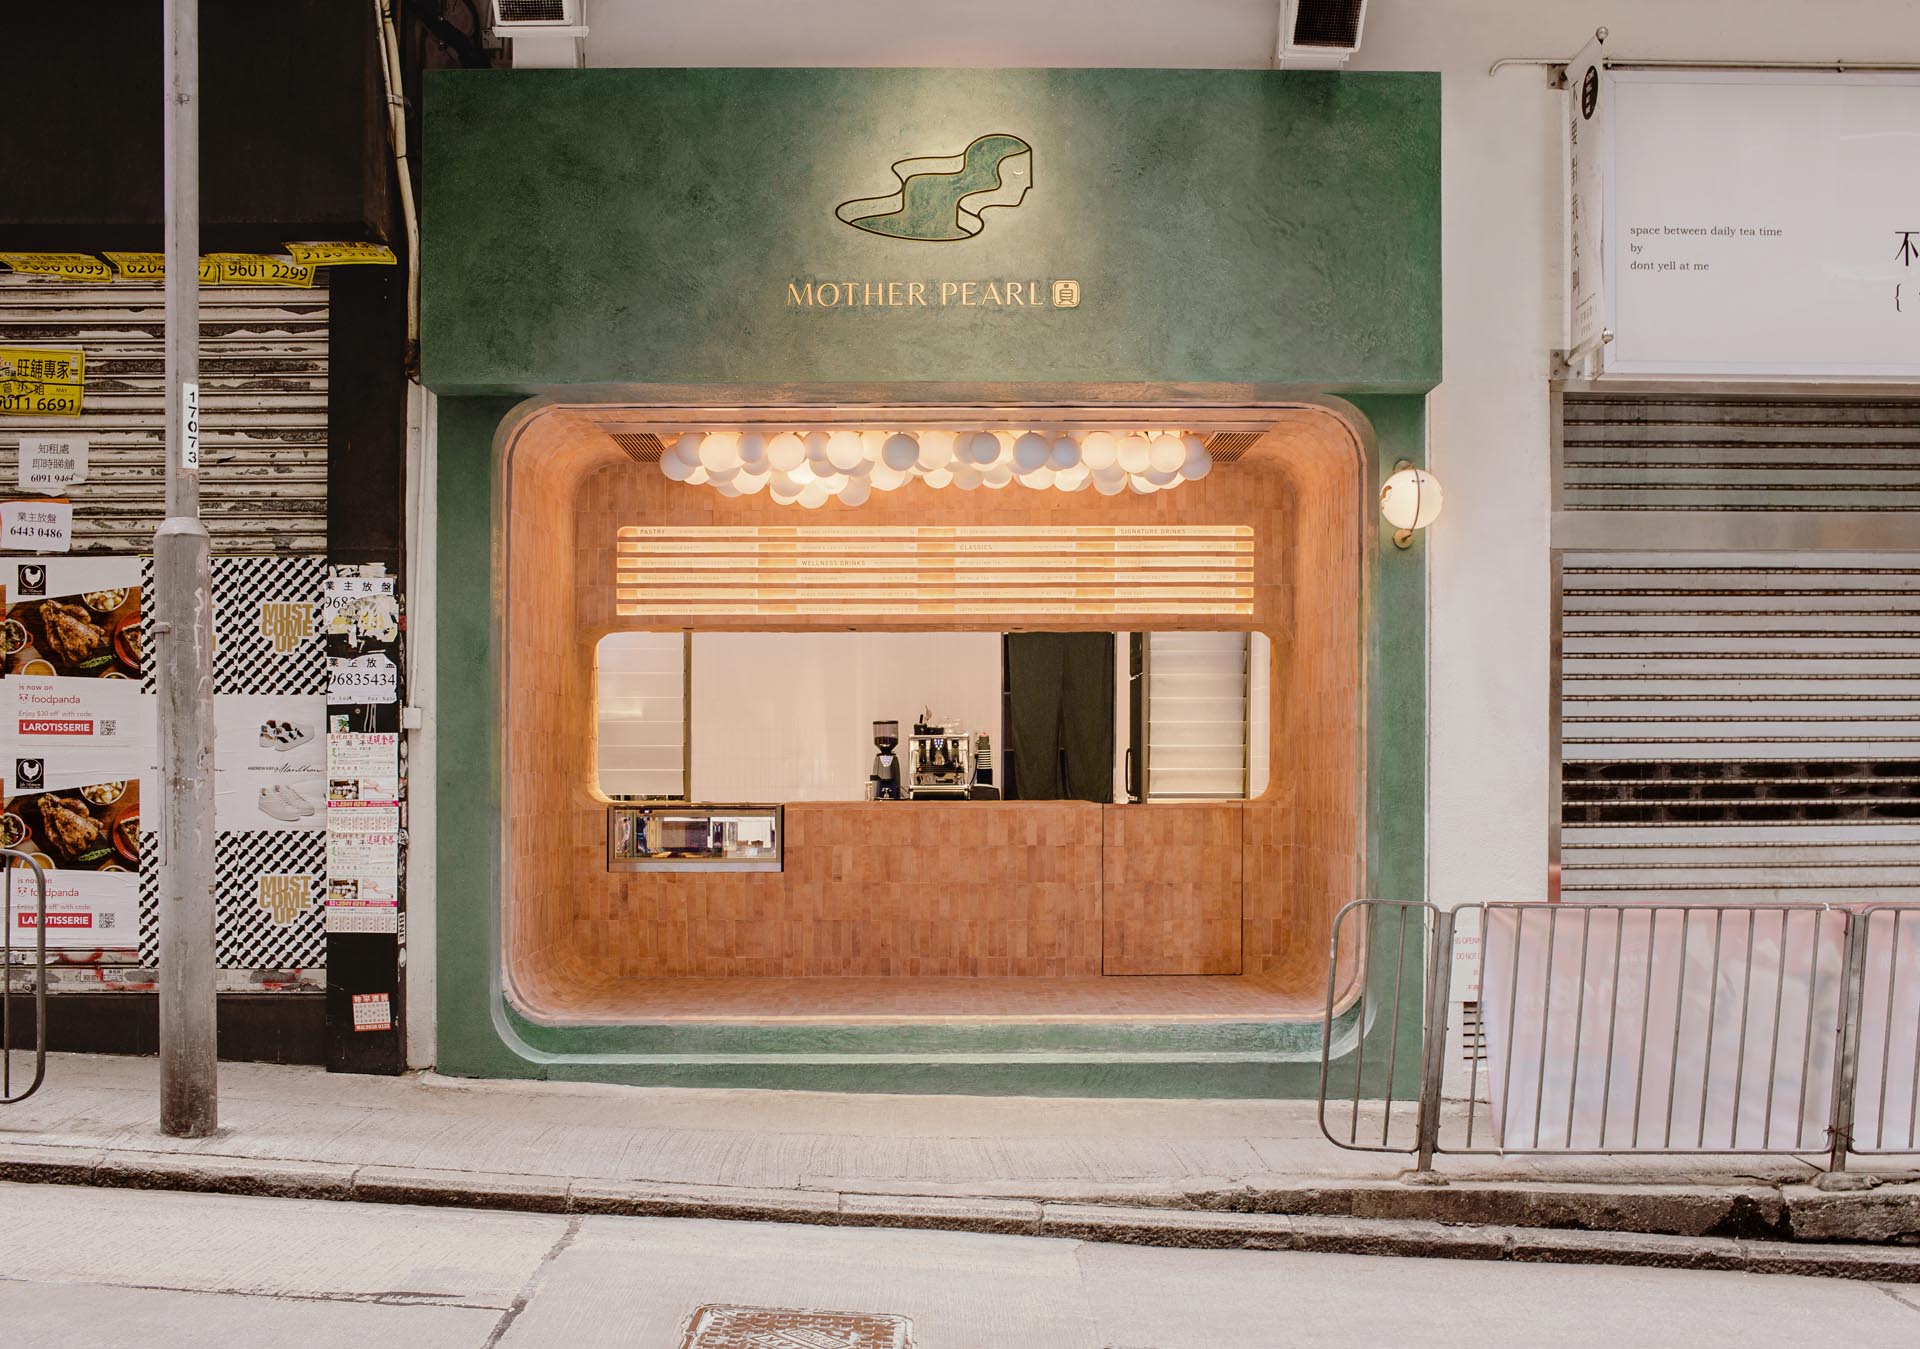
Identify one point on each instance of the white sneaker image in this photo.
(283, 735)
(284, 803)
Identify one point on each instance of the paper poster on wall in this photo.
(85, 830)
(42, 381)
(47, 464)
(372, 678)
(270, 765)
(42, 525)
(363, 766)
(76, 618)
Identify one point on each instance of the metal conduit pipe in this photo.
(389, 43)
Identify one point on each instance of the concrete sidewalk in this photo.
(1170, 1172)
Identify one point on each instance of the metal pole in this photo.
(1433, 1063)
(183, 627)
(1846, 1056)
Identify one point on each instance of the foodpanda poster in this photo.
(84, 830)
(77, 745)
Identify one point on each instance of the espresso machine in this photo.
(885, 778)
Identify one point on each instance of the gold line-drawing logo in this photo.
(941, 197)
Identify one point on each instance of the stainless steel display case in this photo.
(695, 838)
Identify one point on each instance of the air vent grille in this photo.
(1328, 23)
(533, 11)
(1228, 446)
(643, 447)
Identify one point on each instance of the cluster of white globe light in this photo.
(813, 468)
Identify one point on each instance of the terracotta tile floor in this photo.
(828, 998)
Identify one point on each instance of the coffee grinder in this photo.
(886, 764)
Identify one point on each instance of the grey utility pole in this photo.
(183, 625)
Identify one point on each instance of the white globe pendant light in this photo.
(1135, 456)
(900, 452)
(844, 451)
(856, 492)
(1065, 454)
(886, 479)
(1098, 450)
(1110, 485)
(936, 450)
(983, 447)
(675, 467)
(1195, 462)
(720, 449)
(786, 451)
(752, 448)
(1031, 451)
(1165, 454)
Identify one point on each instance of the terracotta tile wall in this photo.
(1171, 893)
(928, 889)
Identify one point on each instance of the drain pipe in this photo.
(389, 43)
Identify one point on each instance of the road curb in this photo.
(1380, 1228)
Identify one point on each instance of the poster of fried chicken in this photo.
(86, 836)
(75, 618)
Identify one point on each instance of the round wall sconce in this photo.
(1409, 500)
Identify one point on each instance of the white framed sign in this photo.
(1762, 224)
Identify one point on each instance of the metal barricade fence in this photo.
(7, 974)
(1623, 1028)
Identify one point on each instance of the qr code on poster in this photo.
(109, 726)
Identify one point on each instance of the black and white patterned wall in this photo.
(270, 683)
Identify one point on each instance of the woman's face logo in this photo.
(941, 198)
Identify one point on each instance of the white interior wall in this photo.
(788, 716)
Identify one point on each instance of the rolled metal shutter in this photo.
(263, 390)
(1738, 722)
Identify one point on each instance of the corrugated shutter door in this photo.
(263, 389)
(1740, 726)
(1634, 452)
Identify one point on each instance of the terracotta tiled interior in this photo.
(1026, 910)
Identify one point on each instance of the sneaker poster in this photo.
(270, 752)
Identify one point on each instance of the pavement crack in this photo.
(519, 1303)
(1909, 1303)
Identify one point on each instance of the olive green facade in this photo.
(650, 237)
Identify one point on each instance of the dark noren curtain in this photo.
(1061, 715)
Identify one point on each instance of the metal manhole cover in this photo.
(722, 1327)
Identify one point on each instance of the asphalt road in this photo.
(100, 1268)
